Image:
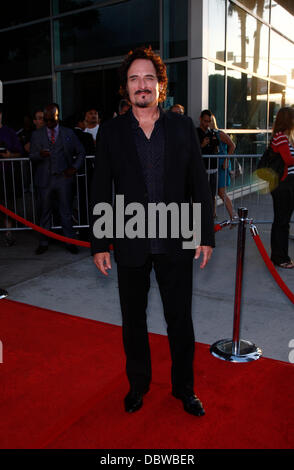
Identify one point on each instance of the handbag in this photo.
(238, 170)
(271, 167)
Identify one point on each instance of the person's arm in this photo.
(200, 192)
(101, 192)
(16, 149)
(227, 140)
(35, 148)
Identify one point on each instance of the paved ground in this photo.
(71, 284)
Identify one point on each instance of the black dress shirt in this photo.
(151, 154)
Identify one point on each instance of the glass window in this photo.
(216, 79)
(23, 12)
(98, 88)
(250, 143)
(62, 6)
(281, 59)
(247, 101)
(216, 29)
(258, 7)
(247, 41)
(279, 96)
(177, 85)
(25, 98)
(175, 28)
(282, 17)
(106, 32)
(26, 52)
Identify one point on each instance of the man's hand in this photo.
(44, 153)
(69, 172)
(102, 261)
(205, 142)
(6, 154)
(207, 252)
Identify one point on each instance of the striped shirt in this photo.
(280, 144)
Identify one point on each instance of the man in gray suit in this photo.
(53, 148)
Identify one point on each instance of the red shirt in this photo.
(280, 144)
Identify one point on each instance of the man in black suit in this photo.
(152, 157)
(53, 148)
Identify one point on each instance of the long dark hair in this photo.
(284, 121)
(148, 54)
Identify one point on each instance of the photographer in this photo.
(209, 146)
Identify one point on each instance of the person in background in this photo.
(25, 133)
(123, 107)
(54, 147)
(10, 147)
(283, 195)
(177, 108)
(84, 178)
(92, 122)
(226, 147)
(209, 146)
(38, 119)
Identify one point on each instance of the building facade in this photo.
(235, 57)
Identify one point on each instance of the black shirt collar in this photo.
(135, 122)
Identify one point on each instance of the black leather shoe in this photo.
(133, 401)
(73, 249)
(41, 249)
(191, 404)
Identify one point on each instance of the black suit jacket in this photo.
(185, 180)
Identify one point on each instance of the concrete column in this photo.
(198, 67)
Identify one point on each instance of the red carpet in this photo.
(63, 384)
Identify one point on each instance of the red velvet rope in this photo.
(43, 230)
(271, 268)
(55, 235)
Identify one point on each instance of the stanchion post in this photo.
(237, 350)
(243, 213)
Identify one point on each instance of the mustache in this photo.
(142, 91)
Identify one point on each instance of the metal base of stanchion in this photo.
(224, 349)
(3, 294)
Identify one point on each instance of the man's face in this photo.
(39, 119)
(92, 117)
(142, 84)
(51, 117)
(205, 122)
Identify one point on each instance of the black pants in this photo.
(61, 187)
(283, 201)
(174, 277)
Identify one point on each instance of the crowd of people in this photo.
(85, 126)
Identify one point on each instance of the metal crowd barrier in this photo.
(19, 194)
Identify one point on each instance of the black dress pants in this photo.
(174, 277)
(283, 201)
